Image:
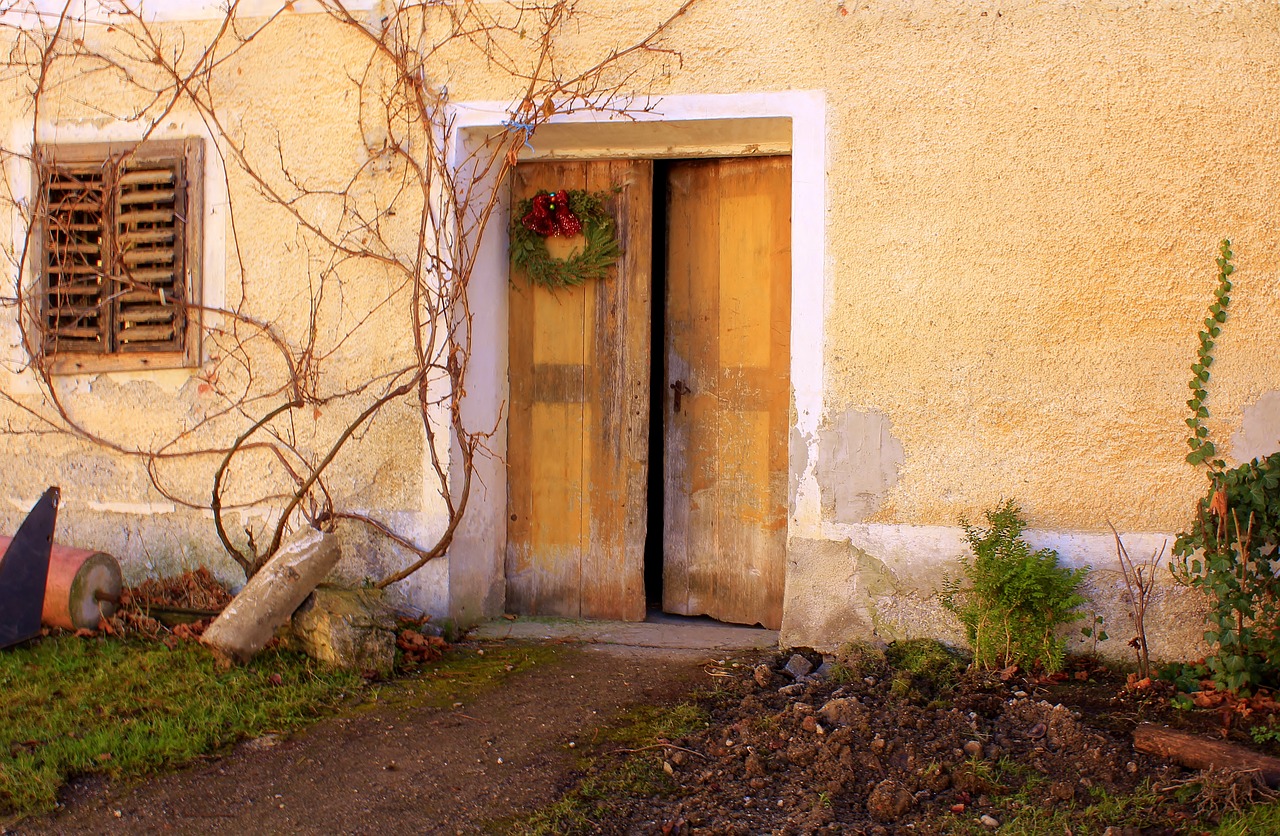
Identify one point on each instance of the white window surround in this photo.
(214, 245)
(481, 539)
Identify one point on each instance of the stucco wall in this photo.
(287, 97)
(1023, 203)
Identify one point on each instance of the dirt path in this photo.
(392, 767)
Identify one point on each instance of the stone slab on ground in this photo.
(352, 629)
(659, 630)
(272, 595)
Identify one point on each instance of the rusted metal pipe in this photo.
(83, 587)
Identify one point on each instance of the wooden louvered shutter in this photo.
(147, 266)
(76, 315)
(121, 259)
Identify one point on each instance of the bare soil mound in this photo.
(912, 743)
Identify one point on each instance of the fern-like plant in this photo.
(1012, 600)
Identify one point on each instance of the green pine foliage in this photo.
(1012, 600)
(600, 246)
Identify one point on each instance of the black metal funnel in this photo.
(24, 570)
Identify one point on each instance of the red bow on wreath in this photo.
(551, 215)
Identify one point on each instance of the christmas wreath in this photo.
(566, 214)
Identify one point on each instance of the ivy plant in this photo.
(1203, 450)
(1229, 552)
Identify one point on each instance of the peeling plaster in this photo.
(1259, 433)
(858, 462)
(882, 583)
(799, 463)
(837, 592)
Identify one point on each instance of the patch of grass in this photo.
(1142, 808)
(1263, 818)
(610, 777)
(923, 668)
(645, 724)
(124, 708)
(925, 657)
(855, 660)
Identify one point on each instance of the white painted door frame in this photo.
(677, 126)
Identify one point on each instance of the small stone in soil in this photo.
(988, 821)
(973, 749)
(889, 801)
(763, 675)
(798, 666)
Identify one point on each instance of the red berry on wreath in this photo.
(539, 219)
(567, 223)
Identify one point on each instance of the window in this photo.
(120, 257)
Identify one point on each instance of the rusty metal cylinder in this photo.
(83, 586)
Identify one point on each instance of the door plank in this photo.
(617, 367)
(576, 480)
(692, 250)
(729, 334)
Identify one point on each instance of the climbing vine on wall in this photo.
(1228, 553)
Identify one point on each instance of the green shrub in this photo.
(1228, 554)
(1015, 599)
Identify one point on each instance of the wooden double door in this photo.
(579, 449)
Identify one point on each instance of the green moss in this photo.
(462, 673)
(856, 660)
(610, 775)
(642, 725)
(1141, 809)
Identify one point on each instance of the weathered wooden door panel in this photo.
(728, 372)
(577, 437)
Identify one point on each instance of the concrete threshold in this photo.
(659, 630)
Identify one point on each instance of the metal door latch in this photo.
(680, 389)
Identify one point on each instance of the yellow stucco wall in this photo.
(286, 96)
(1024, 204)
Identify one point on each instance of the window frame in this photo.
(188, 155)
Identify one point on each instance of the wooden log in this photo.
(1198, 752)
(272, 595)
